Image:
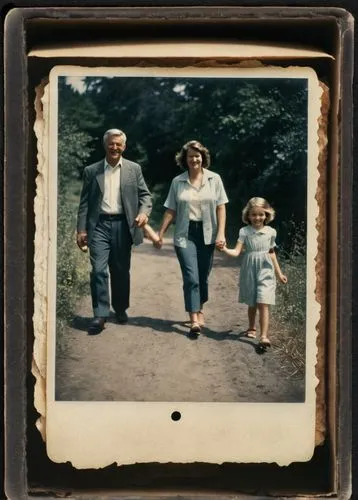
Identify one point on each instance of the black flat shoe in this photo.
(96, 326)
(122, 317)
(195, 330)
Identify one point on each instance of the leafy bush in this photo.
(73, 153)
(72, 268)
(74, 149)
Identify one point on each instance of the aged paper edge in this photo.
(169, 48)
(59, 412)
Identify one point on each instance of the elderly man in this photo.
(115, 202)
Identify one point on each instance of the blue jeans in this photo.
(196, 261)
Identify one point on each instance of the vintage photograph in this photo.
(176, 241)
(181, 254)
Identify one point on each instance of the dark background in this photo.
(351, 6)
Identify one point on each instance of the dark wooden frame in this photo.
(28, 470)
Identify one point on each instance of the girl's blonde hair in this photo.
(260, 203)
(180, 157)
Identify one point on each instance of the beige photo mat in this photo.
(94, 434)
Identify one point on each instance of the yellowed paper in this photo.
(96, 433)
(212, 49)
(41, 208)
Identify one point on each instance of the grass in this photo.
(288, 320)
(72, 264)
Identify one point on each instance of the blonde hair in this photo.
(180, 157)
(260, 203)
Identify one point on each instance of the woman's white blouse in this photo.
(210, 195)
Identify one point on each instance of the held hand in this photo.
(158, 243)
(141, 219)
(220, 244)
(82, 241)
(220, 241)
(283, 278)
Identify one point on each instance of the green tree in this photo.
(74, 149)
(255, 129)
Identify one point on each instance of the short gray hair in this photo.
(113, 131)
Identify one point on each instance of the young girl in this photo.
(259, 265)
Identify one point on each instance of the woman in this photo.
(196, 201)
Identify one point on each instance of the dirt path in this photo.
(153, 359)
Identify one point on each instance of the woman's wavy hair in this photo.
(180, 157)
(260, 203)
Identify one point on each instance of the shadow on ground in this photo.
(82, 323)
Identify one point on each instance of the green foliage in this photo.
(73, 152)
(289, 315)
(78, 108)
(74, 149)
(72, 268)
(77, 119)
(255, 129)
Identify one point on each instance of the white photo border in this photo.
(140, 432)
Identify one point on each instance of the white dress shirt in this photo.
(111, 203)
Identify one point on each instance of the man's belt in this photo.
(112, 216)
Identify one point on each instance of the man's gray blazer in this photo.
(135, 196)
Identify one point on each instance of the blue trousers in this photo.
(196, 261)
(110, 248)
